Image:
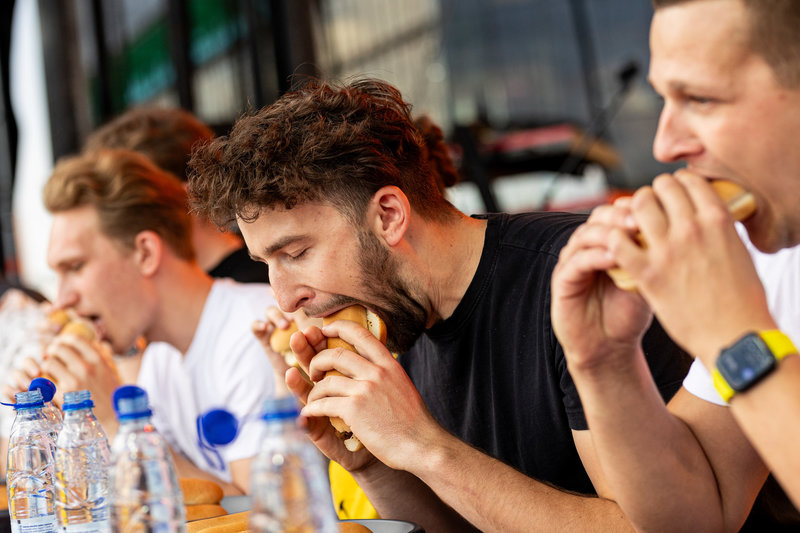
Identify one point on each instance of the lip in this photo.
(332, 310)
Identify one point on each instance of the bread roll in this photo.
(741, 205)
(204, 510)
(373, 323)
(231, 523)
(279, 342)
(200, 491)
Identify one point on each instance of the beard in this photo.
(390, 298)
(404, 315)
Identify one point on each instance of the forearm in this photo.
(495, 497)
(769, 415)
(399, 495)
(652, 463)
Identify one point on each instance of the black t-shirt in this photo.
(239, 267)
(494, 374)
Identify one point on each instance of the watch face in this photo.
(744, 363)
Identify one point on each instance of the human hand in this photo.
(596, 322)
(76, 363)
(372, 394)
(19, 379)
(306, 344)
(280, 360)
(695, 272)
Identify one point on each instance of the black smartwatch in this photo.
(748, 360)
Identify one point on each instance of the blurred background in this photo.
(544, 103)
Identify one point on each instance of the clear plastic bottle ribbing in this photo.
(145, 493)
(30, 468)
(83, 457)
(289, 480)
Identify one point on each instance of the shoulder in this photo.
(545, 232)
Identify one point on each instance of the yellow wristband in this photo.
(778, 343)
(779, 346)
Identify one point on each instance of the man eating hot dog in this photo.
(478, 421)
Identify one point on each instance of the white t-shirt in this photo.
(780, 274)
(225, 366)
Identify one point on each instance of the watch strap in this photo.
(779, 345)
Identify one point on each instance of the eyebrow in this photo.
(281, 243)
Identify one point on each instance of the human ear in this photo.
(389, 214)
(148, 252)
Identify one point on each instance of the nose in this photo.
(66, 296)
(289, 295)
(675, 139)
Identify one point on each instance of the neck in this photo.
(212, 245)
(183, 288)
(447, 255)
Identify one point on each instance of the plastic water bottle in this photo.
(145, 494)
(51, 412)
(82, 461)
(289, 480)
(30, 468)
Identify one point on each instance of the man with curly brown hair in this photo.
(332, 187)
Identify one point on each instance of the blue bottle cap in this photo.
(81, 399)
(28, 400)
(219, 426)
(280, 408)
(47, 388)
(130, 402)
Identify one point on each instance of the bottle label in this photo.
(100, 526)
(40, 524)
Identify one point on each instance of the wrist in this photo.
(750, 359)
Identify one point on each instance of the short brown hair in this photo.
(773, 34)
(166, 136)
(130, 194)
(337, 144)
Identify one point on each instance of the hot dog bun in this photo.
(67, 321)
(204, 510)
(373, 323)
(279, 342)
(231, 523)
(200, 491)
(741, 205)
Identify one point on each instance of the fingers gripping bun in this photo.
(67, 321)
(279, 342)
(741, 205)
(373, 323)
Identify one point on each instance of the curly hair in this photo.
(439, 157)
(337, 144)
(130, 195)
(773, 34)
(166, 136)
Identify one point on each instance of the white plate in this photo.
(388, 526)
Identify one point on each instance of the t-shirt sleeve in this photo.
(698, 382)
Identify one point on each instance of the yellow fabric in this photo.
(349, 500)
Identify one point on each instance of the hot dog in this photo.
(279, 342)
(374, 325)
(741, 205)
